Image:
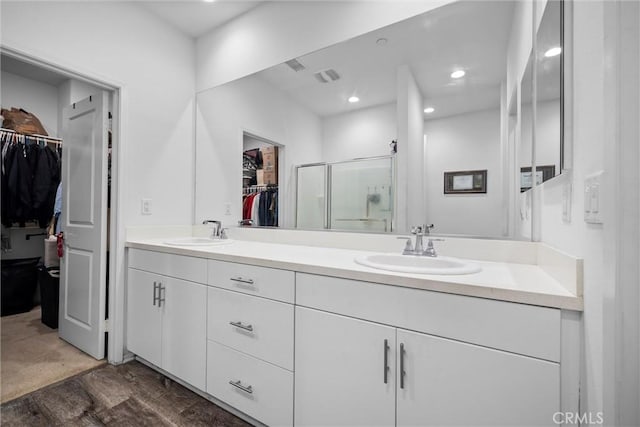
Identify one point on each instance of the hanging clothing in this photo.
(57, 209)
(255, 208)
(30, 176)
(247, 206)
(268, 207)
(46, 178)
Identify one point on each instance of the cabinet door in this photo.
(144, 317)
(340, 371)
(184, 330)
(453, 383)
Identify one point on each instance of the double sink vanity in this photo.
(286, 333)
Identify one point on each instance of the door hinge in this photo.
(106, 325)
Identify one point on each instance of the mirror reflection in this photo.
(367, 131)
(549, 159)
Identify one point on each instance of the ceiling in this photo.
(197, 17)
(468, 34)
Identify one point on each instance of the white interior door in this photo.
(84, 183)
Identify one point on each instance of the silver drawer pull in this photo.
(242, 280)
(238, 384)
(155, 290)
(241, 326)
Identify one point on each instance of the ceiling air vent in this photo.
(295, 65)
(327, 76)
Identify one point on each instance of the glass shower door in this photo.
(361, 195)
(311, 208)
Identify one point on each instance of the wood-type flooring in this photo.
(126, 395)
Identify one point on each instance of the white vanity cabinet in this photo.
(345, 371)
(347, 352)
(250, 332)
(448, 382)
(166, 316)
(341, 360)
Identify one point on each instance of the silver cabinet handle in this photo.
(241, 326)
(160, 296)
(155, 289)
(242, 280)
(238, 384)
(402, 372)
(386, 360)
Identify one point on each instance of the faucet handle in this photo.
(408, 249)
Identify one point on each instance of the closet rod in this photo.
(50, 138)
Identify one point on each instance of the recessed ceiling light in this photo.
(381, 41)
(457, 74)
(209, 1)
(353, 99)
(554, 51)
(429, 110)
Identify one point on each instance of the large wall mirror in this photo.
(405, 125)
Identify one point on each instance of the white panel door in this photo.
(144, 315)
(83, 266)
(184, 330)
(345, 374)
(453, 383)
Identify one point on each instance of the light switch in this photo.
(227, 208)
(592, 195)
(146, 207)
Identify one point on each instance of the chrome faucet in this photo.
(418, 249)
(216, 228)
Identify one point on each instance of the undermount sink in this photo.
(197, 241)
(418, 264)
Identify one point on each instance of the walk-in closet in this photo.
(37, 107)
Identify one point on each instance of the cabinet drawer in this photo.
(178, 266)
(270, 398)
(518, 328)
(263, 328)
(249, 279)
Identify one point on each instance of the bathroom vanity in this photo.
(298, 335)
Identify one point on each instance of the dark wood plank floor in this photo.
(125, 395)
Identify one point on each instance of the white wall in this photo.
(122, 43)
(520, 43)
(33, 96)
(276, 32)
(365, 132)
(254, 106)
(458, 143)
(547, 135)
(410, 157)
(548, 129)
(577, 237)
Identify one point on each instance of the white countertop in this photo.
(520, 283)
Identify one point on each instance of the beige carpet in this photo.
(32, 356)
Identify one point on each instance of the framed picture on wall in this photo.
(465, 182)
